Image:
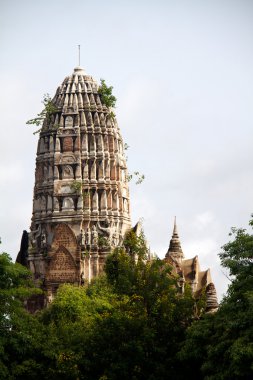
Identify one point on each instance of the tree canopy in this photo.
(220, 346)
(133, 322)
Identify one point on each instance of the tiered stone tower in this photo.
(188, 271)
(81, 197)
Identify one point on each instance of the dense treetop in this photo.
(131, 323)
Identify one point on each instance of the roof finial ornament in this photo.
(79, 54)
(175, 226)
(79, 70)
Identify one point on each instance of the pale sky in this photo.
(182, 72)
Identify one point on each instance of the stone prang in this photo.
(81, 199)
(188, 271)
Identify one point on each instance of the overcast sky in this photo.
(182, 72)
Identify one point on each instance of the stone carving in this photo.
(43, 239)
(80, 203)
(87, 237)
(67, 172)
(86, 172)
(94, 235)
(56, 172)
(57, 145)
(82, 238)
(78, 172)
(114, 240)
(101, 171)
(95, 202)
(68, 204)
(49, 203)
(106, 227)
(33, 236)
(93, 171)
(68, 158)
(42, 203)
(69, 122)
(51, 144)
(85, 143)
(125, 205)
(109, 229)
(56, 205)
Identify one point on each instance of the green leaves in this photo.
(131, 323)
(76, 186)
(48, 110)
(221, 345)
(105, 93)
(139, 178)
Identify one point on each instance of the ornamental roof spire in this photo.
(175, 250)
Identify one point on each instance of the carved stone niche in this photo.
(69, 122)
(67, 172)
(68, 204)
(68, 158)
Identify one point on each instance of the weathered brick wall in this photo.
(62, 265)
(68, 144)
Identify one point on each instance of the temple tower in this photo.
(188, 271)
(175, 251)
(81, 198)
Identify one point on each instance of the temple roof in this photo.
(189, 271)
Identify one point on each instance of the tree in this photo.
(16, 286)
(160, 311)
(221, 345)
(48, 110)
(107, 98)
(127, 324)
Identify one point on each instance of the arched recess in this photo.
(62, 265)
(64, 236)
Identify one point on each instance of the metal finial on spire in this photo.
(79, 54)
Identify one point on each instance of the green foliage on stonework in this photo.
(76, 186)
(139, 178)
(105, 92)
(103, 241)
(48, 110)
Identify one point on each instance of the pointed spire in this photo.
(175, 227)
(175, 251)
